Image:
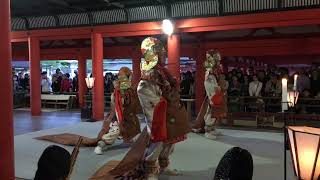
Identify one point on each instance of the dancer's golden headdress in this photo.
(213, 59)
(124, 78)
(151, 48)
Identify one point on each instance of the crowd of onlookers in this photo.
(253, 82)
(267, 82)
(59, 83)
(236, 82)
(21, 82)
(261, 82)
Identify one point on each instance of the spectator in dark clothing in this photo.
(236, 164)
(273, 87)
(235, 85)
(25, 82)
(108, 83)
(15, 83)
(56, 81)
(240, 76)
(229, 77)
(20, 79)
(303, 82)
(186, 84)
(75, 85)
(245, 86)
(315, 82)
(54, 164)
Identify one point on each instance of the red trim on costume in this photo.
(217, 98)
(176, 140)
(159, 121)
(118, 105)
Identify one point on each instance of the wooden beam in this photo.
(249, 21)
(256, 48)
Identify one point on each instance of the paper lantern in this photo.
(90, 82)
(304, 145)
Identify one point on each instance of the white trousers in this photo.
(209, 120)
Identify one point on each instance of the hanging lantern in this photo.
(304, 145)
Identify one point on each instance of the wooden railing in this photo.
(271, 104)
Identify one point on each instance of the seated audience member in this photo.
(261, 75)
(235, 85)
(303, 82)
(236, 164)
(255, 87)
(255, 91)
(239, 76)
(273, 86)
(54, 164)
(245, 86)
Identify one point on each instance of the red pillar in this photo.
(174, 55)
(97, 67)
(82, 69)
(35, 88)
(199, 79)
(6, 122)
(136, 72)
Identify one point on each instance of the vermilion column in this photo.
(6, 121)
(82, 68)
(199, 79)
(136, 59)
(35, 88)
(97, 67)
(174, 55)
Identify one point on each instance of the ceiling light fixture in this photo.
(167, 27)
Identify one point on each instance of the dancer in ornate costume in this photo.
(125, 104)
(126, 124)
(166, 120)
(214, 107)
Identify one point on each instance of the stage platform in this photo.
(197, 157)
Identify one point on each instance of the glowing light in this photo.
(304, 145)
(167, 27)
(90, 82)
(284, 94)
(292, 98)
